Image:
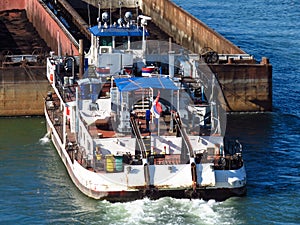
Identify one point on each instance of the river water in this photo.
(35, 188)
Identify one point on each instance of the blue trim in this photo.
(132, 31)
(135, 83)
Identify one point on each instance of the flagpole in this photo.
(152, 104)
(156, 110)
(158, 126)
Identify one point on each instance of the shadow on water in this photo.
(270, 149)
(272, 160)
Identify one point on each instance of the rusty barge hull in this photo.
(22, 71)
(22, 91)
(247, 86)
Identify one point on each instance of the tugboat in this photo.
(144, 120)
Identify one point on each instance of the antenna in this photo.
(120, 4)
(58, 44)
(137, 8)
(99, 19)
(89, 14)
(110, 12)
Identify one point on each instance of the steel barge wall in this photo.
(23, 87)
(22, 91)
(246, 87)
(48, 27)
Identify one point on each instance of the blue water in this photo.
(35, 188)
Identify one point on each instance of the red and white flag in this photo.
(156, 106)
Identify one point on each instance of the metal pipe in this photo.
(81, 59)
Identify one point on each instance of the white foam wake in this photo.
(45, 139)
(172, 211)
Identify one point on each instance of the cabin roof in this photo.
(118, 31)
(135, 83)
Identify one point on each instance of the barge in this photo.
(146, 119)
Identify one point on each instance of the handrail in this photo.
(143, 150)
(138, 137)
(184, 137)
